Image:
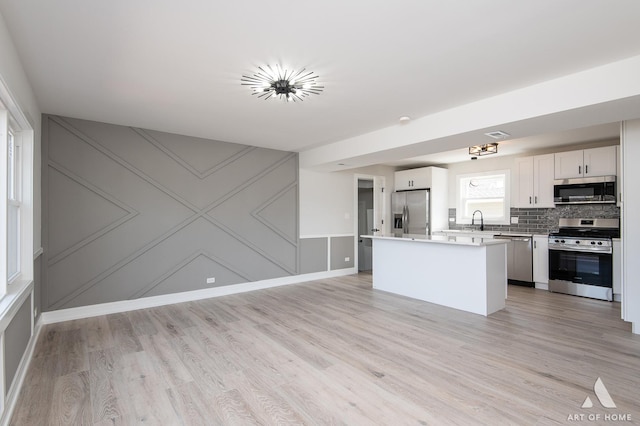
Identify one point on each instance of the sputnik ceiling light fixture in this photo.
(278, 83)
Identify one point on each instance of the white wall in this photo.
(327, 200)
(14, 77)
(630, 224)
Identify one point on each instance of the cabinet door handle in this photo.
(586, 169)
(536, 199)
(535, 244)
(579, 170)
(529, 199)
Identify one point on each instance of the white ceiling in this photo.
(176, 66)
(538, 143)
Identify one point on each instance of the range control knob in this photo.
(577, 241)
(599, 243)
(562, 241)
(557, 241)
(594, 243)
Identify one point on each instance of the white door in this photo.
(371, 216)
(379, 205)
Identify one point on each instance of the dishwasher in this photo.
(519, 259)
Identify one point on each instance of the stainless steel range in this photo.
(580, 257)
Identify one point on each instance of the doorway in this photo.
(365, 224)
(370, 216)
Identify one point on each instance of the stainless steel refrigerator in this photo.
(410, 213)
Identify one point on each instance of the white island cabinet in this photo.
(466, 273)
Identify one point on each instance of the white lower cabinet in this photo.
(541, 261)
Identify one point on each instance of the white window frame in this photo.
(14, 199)
(506, 208)
(13, 122)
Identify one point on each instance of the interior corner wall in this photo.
(14, 77)
(326, 203)
(129, 213)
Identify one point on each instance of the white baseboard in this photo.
(187, 296)
(542, 286)
(21, 373)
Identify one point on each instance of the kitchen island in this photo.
(461, 272)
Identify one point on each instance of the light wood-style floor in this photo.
(335, 352)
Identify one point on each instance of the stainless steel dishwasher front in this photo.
(519, 258)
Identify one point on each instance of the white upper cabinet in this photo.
(586, 163)
(413, 179)
(534, 187)
(600, 161)
(569, 164)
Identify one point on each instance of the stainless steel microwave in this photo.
(591, 190)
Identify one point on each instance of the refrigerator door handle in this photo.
(406, 222)
(404, 219)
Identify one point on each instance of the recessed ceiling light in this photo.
(405, 119)
(498, 134)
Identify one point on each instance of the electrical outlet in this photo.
(346, 259)
(514, 219)
(452, 219)
(211, 280)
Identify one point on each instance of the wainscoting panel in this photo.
(313, 255)
(131, 213)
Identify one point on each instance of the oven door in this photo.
(589, 268)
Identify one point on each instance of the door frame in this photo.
(379, 208)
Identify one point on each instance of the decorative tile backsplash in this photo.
(543, 221)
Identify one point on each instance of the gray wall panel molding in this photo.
(313, 255)
(130, 213)
(121, 161)
(197, 173)
(269, 219)
(201, 253)
(243, 199)
(16, 338)
(341, 249)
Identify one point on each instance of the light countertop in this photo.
(464, 240)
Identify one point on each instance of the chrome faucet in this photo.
(473, 219)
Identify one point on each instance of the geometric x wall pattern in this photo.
(129, 213)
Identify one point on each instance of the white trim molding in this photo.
(187, 296)
(38, 253)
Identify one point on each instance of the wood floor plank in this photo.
(141, 394)
(192, 406)
(103, 393)
(334, 351)
(71, 403)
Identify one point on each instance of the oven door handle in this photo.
(581, 250)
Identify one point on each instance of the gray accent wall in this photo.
(129, 213)
(16, 337)
(341, 248)
(313, 255)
